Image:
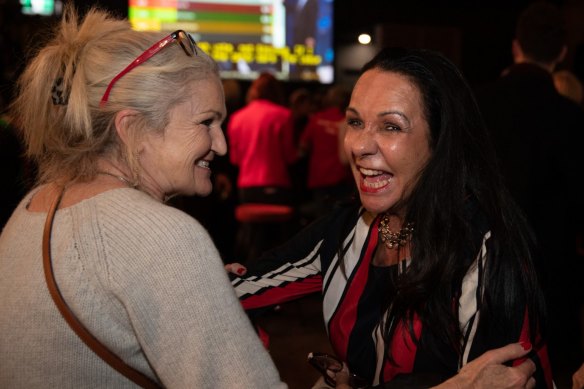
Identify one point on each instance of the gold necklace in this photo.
(394, 239)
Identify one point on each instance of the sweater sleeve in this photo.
(164, 269)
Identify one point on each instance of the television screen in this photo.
(40, 7)
(292, 39)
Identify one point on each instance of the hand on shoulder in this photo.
(488, 371)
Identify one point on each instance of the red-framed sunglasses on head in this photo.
(182, 38)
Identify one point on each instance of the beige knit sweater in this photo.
(145, 279)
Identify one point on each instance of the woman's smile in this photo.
(373, 181)
(203, 164)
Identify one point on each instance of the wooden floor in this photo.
(296, 329)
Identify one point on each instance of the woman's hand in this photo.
(488, 371)
(236, 268)
(342, 378)
(345, 379)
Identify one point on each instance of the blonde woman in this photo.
(118, 121)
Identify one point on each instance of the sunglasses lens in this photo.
(187, 43)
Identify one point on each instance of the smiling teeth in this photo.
(378, 184)
(369, 172)
(203, 163)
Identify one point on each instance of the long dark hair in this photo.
(461, 170)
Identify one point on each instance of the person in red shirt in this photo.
(261, 144)
(329, 178)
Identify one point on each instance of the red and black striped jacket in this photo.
(354, 294)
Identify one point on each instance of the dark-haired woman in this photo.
(434, 266)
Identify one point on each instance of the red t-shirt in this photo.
(261, 144)
(321, 136)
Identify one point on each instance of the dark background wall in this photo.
(476, 34)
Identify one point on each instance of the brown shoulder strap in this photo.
(103, 352)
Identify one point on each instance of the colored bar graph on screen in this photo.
(231, 7)
(154, 3)
(244, 20)
(226, 17)
(154, 14)
(243, 36)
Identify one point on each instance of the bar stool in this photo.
(261, 227)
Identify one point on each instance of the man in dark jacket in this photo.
(538, 138)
